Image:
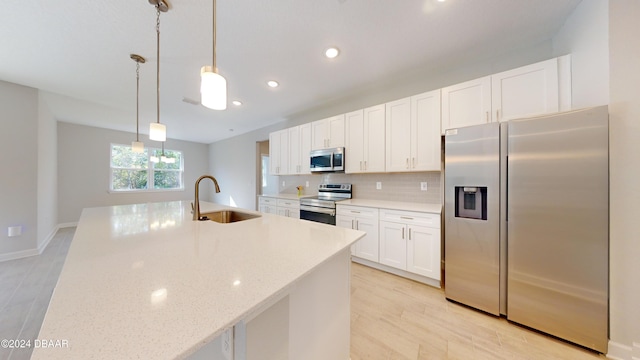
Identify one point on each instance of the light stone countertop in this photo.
(285, 196)
(145, 281)
(394, 205)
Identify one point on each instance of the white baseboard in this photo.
(619, 351)
(32, 252)
(18, 254)
(405, 274)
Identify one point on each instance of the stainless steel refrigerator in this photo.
(527, 222)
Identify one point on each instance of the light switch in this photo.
(283, 183)
(378, 185)
(423, 186)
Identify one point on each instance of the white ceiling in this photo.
(78, 51)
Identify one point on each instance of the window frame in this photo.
(150, 170)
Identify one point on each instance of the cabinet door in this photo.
(425, 132)
(336, 131)
(398, 135)
(348, 222)
(374, 139)
(305, 148)
(393, 244)
(294, 154)
(354, 128)
(274, 153)
(319, 134)
(283, 168)
(368, 246)
(466, 104)
(267, 209)
(423, 251)
(526, 91)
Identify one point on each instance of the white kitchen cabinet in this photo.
(299, 148)
(413, 133)
(410, 241)
(365, 219)
(267, 205)
(288, 208)
(536, 89)
(279, 152)
(328, 133)
(466, 104)
(526, 91)
(365, 138)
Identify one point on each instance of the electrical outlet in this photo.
(283, 183)
(378, 185)
(14, 231)
(423, 186)
(307, 184)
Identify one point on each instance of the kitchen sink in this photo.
(227, 216)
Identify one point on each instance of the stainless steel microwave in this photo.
(327, 160)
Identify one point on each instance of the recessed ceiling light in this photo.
(442, 0)
(236, 102)
(272, 83)
(331, 52)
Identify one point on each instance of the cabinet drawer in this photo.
(289, 203)
(357, 211)
(411, 218)
(267, 201)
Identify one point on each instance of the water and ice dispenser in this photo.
(471, 202)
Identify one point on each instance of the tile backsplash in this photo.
(395, 186)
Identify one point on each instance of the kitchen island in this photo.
(146, 282)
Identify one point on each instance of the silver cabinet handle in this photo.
(406, 218)
(407, 163)
(357, 225)
(355, 212)
(409, 233)
(352, 224)
(365, 165)
(413, 163)
(403, 233)
(487, 116)
(498, 115)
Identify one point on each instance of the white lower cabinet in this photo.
(289, 208)
(410, 241)
(365, 219)
(279, 206)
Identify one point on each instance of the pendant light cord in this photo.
(215, 68)
(158, 65)
(137, 101)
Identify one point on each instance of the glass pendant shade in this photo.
(154, 159)
(137, 147)
(157, 132)
(213, 89)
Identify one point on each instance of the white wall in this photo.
(585, 36)
(83, 170)
(237, 173)
(624, 110)
(47, 173)
(18, 183)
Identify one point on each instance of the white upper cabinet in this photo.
(531, 90)
(466, 104)
(279, 152)
(413, 133)
(365, 138)
(299, 148)
(527, 91)
(328, 133)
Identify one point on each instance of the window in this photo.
(145, 171)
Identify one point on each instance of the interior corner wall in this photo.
(84, 172)
(585, 35)
(624, 120)
(18, 183)
(47, 174)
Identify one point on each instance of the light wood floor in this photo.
(397, 318)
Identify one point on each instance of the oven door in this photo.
(318, 214)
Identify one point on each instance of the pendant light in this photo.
(213, 86)
(137, 146)
(158, 131)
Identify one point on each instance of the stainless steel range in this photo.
(322, 208)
